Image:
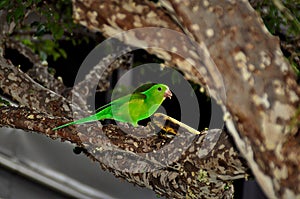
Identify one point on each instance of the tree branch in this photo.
(27, 92)
(97, 16)
(39, 71)
(101, 71)
(225, 47)
(204, 168)
(232, 41)
(260, 79)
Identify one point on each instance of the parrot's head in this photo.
(160, 91)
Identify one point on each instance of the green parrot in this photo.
(141, 104)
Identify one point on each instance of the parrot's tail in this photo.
(91, 118)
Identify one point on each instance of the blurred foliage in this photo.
(4, 102)
(41, 24)
(282, 18)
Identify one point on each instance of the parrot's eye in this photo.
(159, 89)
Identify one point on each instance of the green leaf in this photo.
(40, 30)
(63, 53)
(29, 2)
(51, 70)
(55, 55)
(19, 12)
(43, 55)
(27, 42)
(4, 102)
(294, 66)
(4, 4)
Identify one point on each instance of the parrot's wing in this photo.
(123, 104)
(128, 99)
(116, 101)
(140, 96)
(123, 100)
(130, 110)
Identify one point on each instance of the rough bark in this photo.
(199, 167)
(97, 16)
(26, 91)
(203, 170)
(229, 50)
(39, 70)
(256, 75)
(261, 89)
(102, 71)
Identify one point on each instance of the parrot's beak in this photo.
(168, 94)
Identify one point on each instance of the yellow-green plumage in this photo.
(131, 108)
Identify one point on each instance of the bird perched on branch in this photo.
(141, 104)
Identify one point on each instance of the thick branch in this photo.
(262, 93)
(27, 92)
(97, 15)
(39, 71)
(101, 71)
(256, 75)
(170, 167)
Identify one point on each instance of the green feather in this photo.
(141, 104)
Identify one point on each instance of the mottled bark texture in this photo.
(26, 91)
(39, 71)
(101, 72)
(229, 50)
(203, 170)
(262, 94)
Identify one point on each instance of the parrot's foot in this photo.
(165, 135)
